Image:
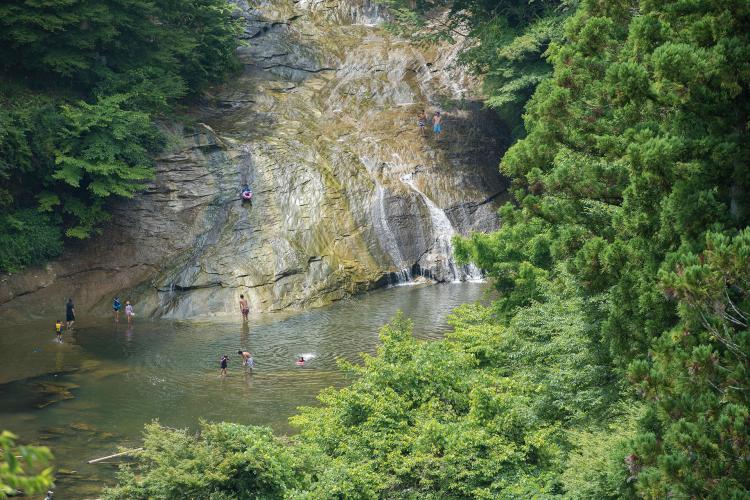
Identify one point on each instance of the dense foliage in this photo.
(81, 83)
(226, 461)
(503, 40)
(22, 468)
(634, 179)
(487, 413)
(614, 363)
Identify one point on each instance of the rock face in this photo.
(348, 194)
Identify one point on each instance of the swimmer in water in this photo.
(300, 361)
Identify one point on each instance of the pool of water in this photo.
(87, 396)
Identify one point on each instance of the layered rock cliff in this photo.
(348, 194)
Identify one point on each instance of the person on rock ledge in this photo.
(437, 125)
(422, 121)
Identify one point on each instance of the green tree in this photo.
(506, 42)
(79, 43)
(482, 414)
(21, 467)
(102, 149)
(695, 437)
(634, 177)
(489, 412)
(222, 461)
(81, 85)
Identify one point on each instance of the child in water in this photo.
(129, 311)
(300, 361)
(116, 306)
(58, 330)
(224, 362)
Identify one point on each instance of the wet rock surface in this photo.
(348, 194)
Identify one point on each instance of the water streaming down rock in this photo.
(322, 123)
(439, 258)
(388, 241)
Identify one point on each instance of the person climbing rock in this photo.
(116, 306)
(244, 308)
(246, 193)
(437, 125)
(70, 314)
(422, 121)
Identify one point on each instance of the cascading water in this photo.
(321, 88)
(441, 252)
(388, 240)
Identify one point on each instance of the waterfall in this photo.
(388, 240)
(443, 232)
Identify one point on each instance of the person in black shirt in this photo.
(70, 314)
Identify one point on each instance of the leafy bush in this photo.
(21, 467)
(28, 237)
(634, 180)
(223, 461)
(506, 43)
(486, 413)
(80, 87)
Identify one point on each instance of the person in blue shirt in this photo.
(116, 306)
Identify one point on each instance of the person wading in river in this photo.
(244, 308)
(224, 362)
(116, 306)
(129, 311)
(58, 330)
(70, 314)
(247, 359)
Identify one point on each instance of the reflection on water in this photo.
(94, 392)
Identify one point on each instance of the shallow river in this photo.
(94, 392)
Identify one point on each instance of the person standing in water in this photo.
(129, 311)
(247, 359)
(224, 362)
(116, 306)
(58, 330)
(244, 307)
(437, 125)
(70, 314)
(422, 121)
